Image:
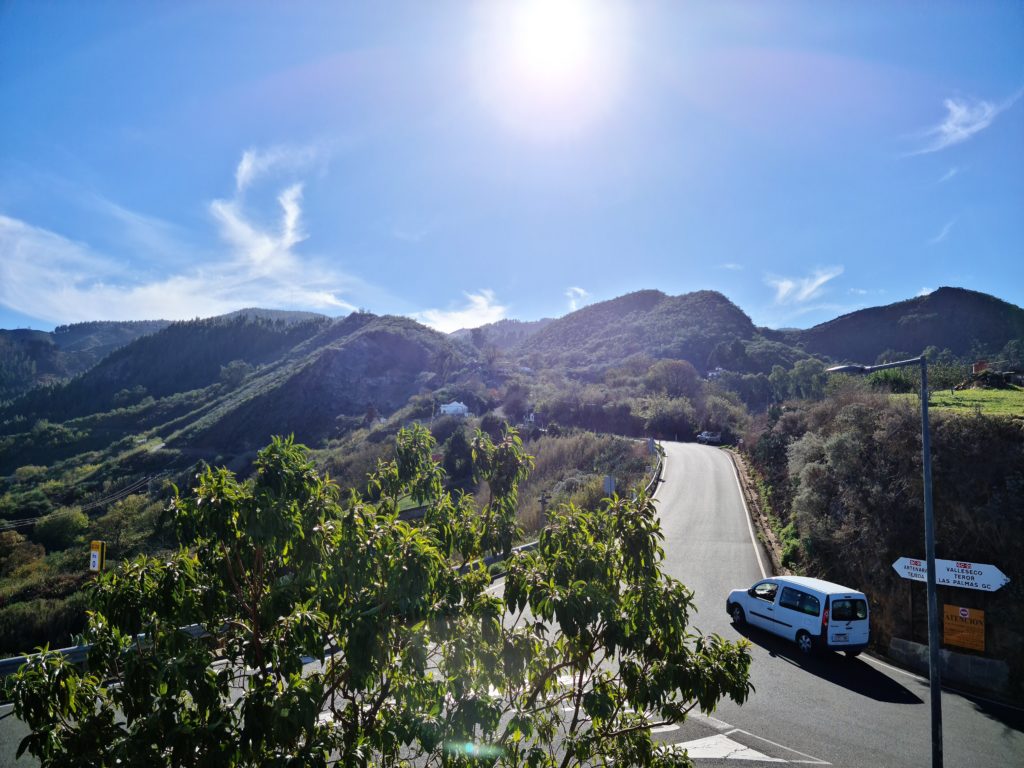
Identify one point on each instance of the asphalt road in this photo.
(827, 710)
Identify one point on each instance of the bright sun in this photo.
(549, 69)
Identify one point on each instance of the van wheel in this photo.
(737, 615)
(804, 642)
(852, 654)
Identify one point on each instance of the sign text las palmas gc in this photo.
(954, 573)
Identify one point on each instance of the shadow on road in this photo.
(1009, 715)
(853, 674)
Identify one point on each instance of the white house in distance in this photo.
(454, 408)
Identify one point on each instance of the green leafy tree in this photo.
(60, 529)
(323, 630)
(675, 378)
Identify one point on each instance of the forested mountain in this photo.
(356, 367)
(956, 319)
(602, 335)
(29, 358)
(224, 385)
(183, 356)
(503, 335)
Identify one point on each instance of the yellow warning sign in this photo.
(97, 555)
(964, 627)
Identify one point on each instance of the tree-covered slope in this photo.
(357, 365)
(962, 321)
(181, 357)
(602, 335)
(30, 358)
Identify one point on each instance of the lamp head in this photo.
(847, 369)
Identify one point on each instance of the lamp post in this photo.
(934, 677)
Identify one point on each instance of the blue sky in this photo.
(464, 162)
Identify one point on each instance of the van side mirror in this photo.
(751, 592)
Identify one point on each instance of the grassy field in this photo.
(991, 402)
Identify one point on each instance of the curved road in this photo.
(814, 711)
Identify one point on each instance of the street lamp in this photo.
(934, 677)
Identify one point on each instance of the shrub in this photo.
(60, 529)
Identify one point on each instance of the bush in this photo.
(34, 623)
(60, 529)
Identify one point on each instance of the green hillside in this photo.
(650, 323)
(964, 322)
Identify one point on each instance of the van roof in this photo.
(828, 587)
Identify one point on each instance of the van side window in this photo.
(849, 610)
(810, 605)
(790, 598)
(766, 591)
(799, 601)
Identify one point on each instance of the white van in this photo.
(812, 612)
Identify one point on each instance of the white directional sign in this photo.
(954, 573)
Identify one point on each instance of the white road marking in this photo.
(665, 728)
(750, 525)
(811, 760)
(881, 663)
(721, 747)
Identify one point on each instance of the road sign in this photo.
(964, 627)
(954, 573)
(97, 555)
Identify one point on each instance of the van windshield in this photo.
(849, 610)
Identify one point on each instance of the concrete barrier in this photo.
(957, 668)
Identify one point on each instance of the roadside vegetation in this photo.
(586, 649)
(843, 478)
(987, 402)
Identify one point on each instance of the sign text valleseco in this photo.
(954, 573)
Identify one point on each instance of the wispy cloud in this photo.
(576, 295)
(731, 266)
(796, 290)
(944, 233)
(51, 277)
(412, 233)
(282, 158)
(964, 118)
(481, 308)
(948, 175)
(859, 291)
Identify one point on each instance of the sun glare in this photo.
(549, 69)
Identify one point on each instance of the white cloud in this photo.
(948, 175)
(575, 295)
(259, 162)
(482, 308)
(795, 290)
(48, 276)
(964, 118)
(411, 234)
(859, 291)
(944, 233)
(731, 266)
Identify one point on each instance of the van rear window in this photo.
(849, 609)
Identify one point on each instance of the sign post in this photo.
(97, 555)
(954, 573)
